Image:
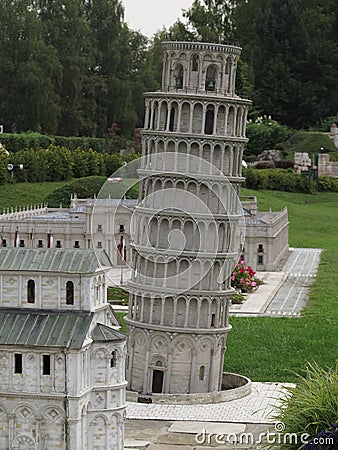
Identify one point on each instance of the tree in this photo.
(68, 32)
(280, 54)
(211, 19)
(29, 71)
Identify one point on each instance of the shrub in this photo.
(19, 142)
(117, 295)
(83, 187)
(326, 183)
(265, 165)
(4, 160)
(311, 407)
(264, 134)
(277, 179)
(284, 164)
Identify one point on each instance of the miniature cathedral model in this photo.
(62, 358)
(185, 222)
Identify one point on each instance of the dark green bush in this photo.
(326, 183)
(19, 142)
(277, 179)
(82, 187)
(265, 134)
(59, 163)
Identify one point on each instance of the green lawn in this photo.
(22, 194)
(264, 348)
(269, 349)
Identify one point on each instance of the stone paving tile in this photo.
(257, 407)
(290, 299)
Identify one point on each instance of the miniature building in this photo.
(192, 147)
(74, 227)
(334, 134)
(31, 228)
(327, 167)
(302, 162)
(266, 236)
(324, 165)
(62, 358)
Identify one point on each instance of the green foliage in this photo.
(83, 187)
(87, 187)
(23, 141)
(4, 160)
(324, 125)
(277, 180)
(117, 295)
(265, 134)
(326, 183)
(33, 140)
(59, 163)
(311, 407)
(210, 19)
(237, 298)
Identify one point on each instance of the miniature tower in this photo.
(185, 222)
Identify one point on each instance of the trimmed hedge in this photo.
(277, 180)
(60, 163)
(18, 142)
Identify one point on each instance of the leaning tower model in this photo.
(186, 222)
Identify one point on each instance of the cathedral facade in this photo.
(62, 358)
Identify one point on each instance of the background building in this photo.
(75, 227)
(266, 236)
(88, 223)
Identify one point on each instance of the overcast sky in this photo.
(148, 16)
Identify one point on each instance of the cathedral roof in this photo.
(53, 260)
(44, 328)
(103, 333)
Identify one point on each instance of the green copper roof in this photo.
(103, 333)
(53, 260)
(44, 328)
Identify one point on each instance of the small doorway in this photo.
(157, 386)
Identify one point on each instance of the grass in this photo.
(264, 348)
(312, 408)
(310, 142)
(22, 194)
(271, 349)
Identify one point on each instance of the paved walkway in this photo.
(283, 293)
(257, 407)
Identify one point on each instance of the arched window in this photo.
(194, 63)
(179, 77)
(202, 373)
(69, 293)
(31, 291)
(209, 122)
(113, 359)
(172, 119)
(210, 79)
